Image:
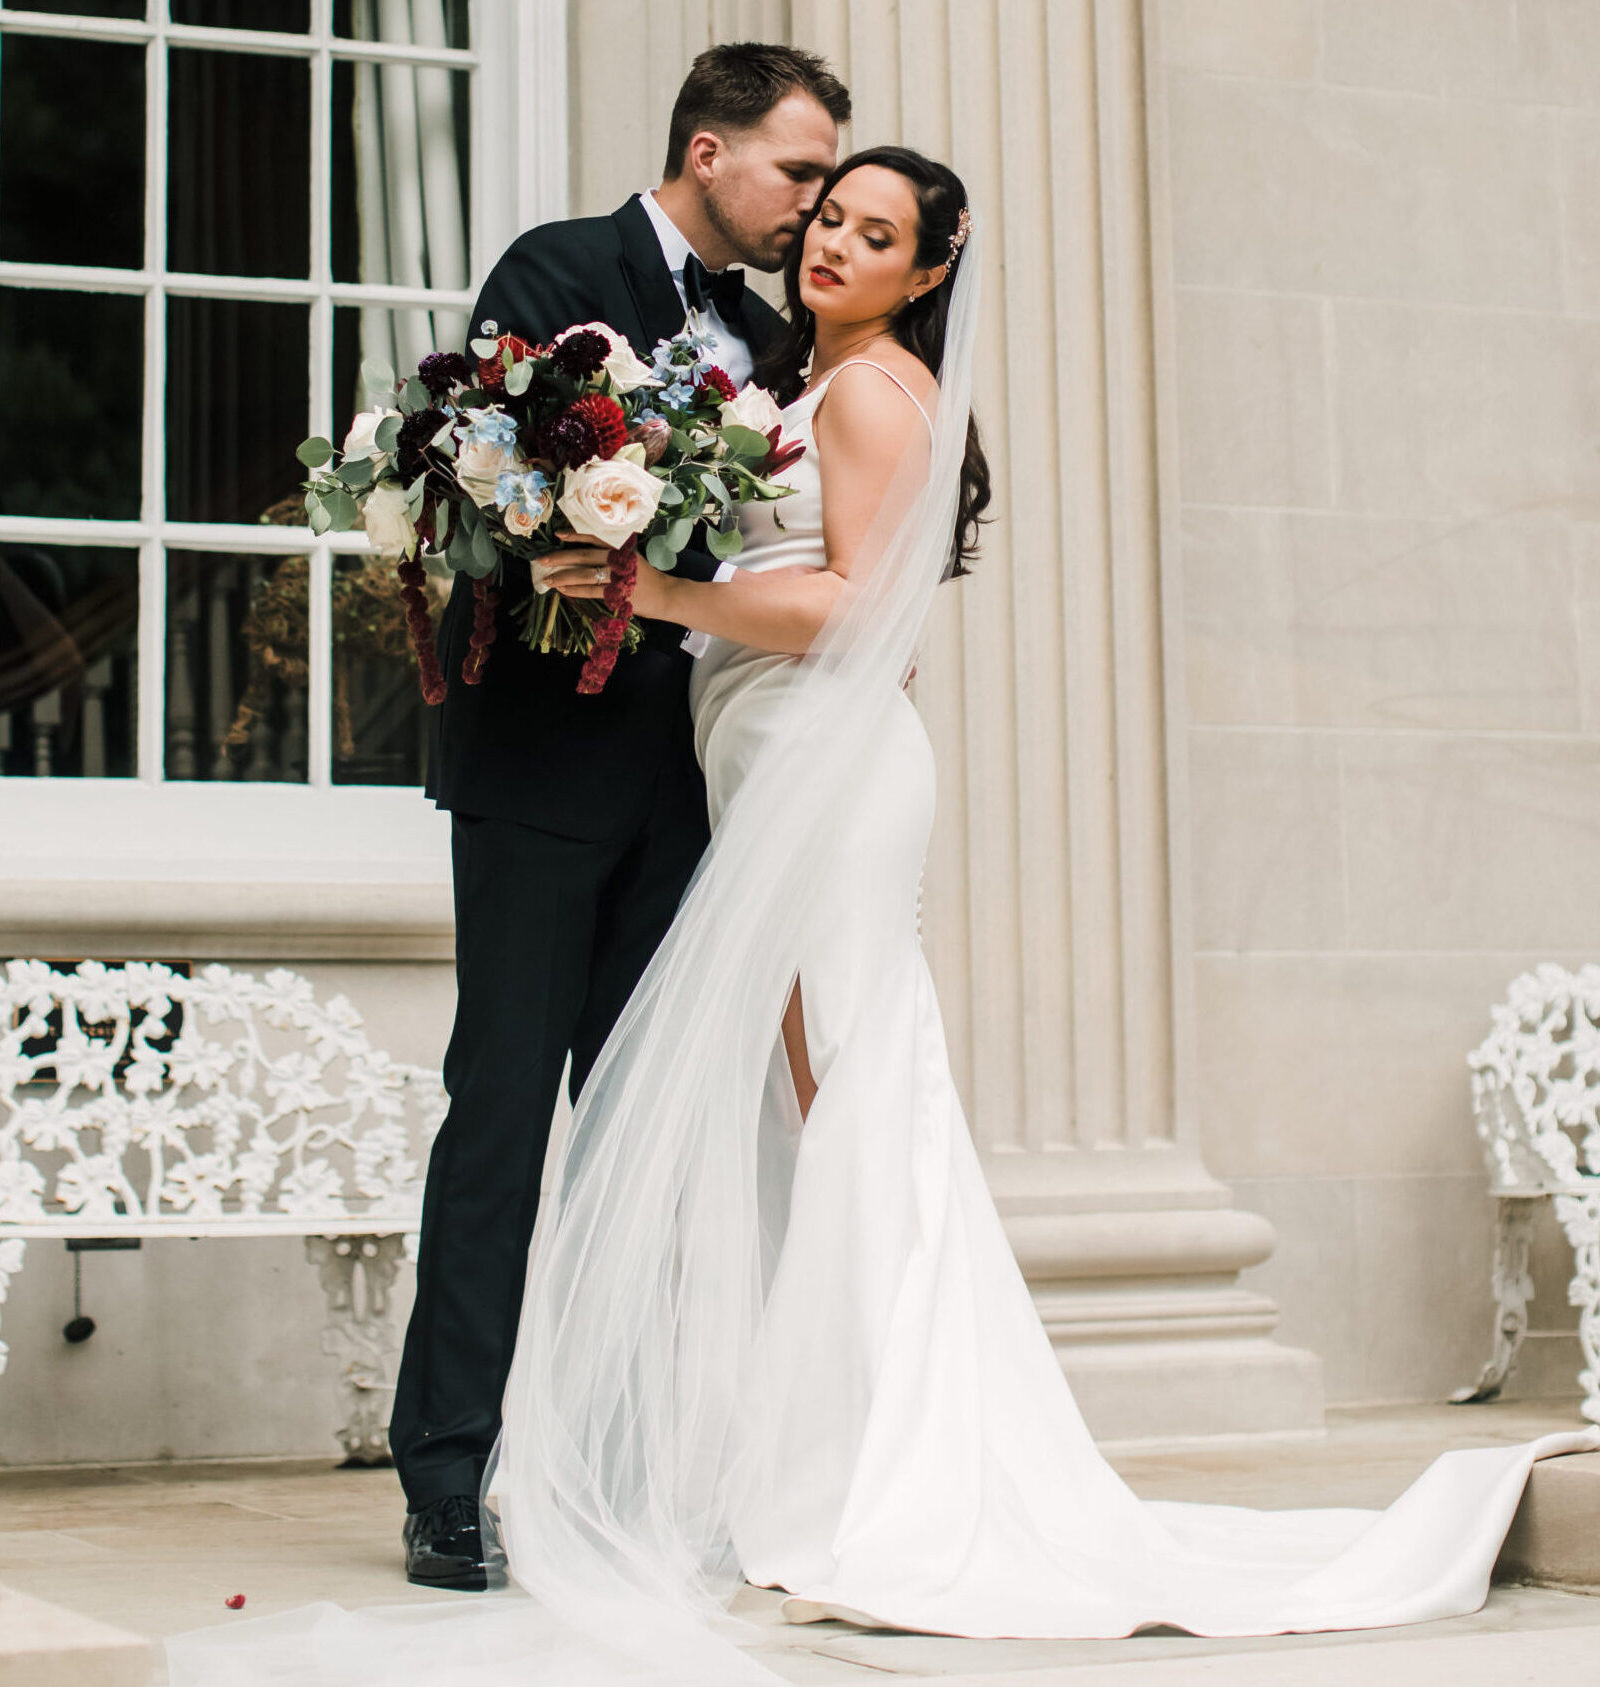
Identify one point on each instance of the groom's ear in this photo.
(700, 155)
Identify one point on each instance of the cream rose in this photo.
(608, 500)
(388, 521)
(520, 520)
(753, 407)
(621, 364)
(479, 467)
(361, 440)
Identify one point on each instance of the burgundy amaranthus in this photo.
(420, 625)
(613, 626)
(483, 631)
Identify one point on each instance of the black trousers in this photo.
(552, 934)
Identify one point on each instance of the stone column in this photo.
(1056, 905)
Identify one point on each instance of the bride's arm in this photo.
(865, 427)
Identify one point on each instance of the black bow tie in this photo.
(703, 289)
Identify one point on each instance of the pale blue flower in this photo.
(490, 427)
(527, 491)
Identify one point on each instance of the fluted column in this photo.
(1055, 909)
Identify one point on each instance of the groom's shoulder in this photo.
(592, 239)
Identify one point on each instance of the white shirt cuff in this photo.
(698, 643)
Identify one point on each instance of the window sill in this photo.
(212, 872)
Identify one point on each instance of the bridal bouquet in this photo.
(465, 464)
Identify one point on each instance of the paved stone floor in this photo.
(158, 1548)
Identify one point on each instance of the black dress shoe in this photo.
(444, 1545)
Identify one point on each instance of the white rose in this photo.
(610, 499)
(753, 407)
(361, 440)
(388, 521)
(479, 467)
(621, 364)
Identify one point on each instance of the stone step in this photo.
(1554, 1540)
(43, 1645)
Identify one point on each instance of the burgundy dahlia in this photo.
(720, 382)
(415, 432)
(568, 439)
(581, 355)
(608, 420)
(441, 370)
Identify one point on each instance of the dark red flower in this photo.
(419, 623)
(234, 1602)
(581, 355)
(492, 370)
(780, 456)
(610, 631)
(483, 632)
(441, 370)
(415, 432)
(606, 417)
(720, 382)
(568, 439)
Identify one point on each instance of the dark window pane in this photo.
(400, 338)
(81, 357)
(81, 8)
(287, 17)
(236, 666)
(236, 406)
(71, 152)
(446, 25)
(239, 182)
(69, 646)
(401, 161)
(380, 724)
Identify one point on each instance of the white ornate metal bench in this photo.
(137, 1101)
(1536, 1104)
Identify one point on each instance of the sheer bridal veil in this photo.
(618, 1466)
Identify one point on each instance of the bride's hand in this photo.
(652, 589)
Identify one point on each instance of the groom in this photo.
(576, 821)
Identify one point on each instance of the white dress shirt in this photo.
(730, 348)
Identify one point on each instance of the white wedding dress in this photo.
(914, 1457)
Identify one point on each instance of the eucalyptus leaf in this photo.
(388, 434)
(414, 495)
(460, 548)
(724, 545)
(518, 378)
(482, 551)
(414, 397)
(314, 452)
(713, 485)
(313, 501)
(677, 534)
(445, 437)
(684, 444)
(659, 554)
(671, 495)
(482, 348)
(376, 375)
(745, 444)
(469, 517)
(320, 522)
(356, 473)
(341, 510)
(442, 524)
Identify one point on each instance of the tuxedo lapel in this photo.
(649, 281)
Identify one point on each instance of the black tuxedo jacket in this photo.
(523, 745)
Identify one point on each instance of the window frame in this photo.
(147, 825)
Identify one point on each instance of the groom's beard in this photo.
(763, 250)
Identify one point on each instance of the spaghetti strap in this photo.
(822, 386)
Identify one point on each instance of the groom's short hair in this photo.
(734, 85)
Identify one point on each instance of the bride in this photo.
(773, 1331)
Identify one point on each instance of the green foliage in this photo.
(723, 545)
(314, 452)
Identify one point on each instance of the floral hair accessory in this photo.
(959, 238)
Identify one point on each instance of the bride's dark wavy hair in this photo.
(919, 326)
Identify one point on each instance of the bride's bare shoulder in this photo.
(884, 399)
